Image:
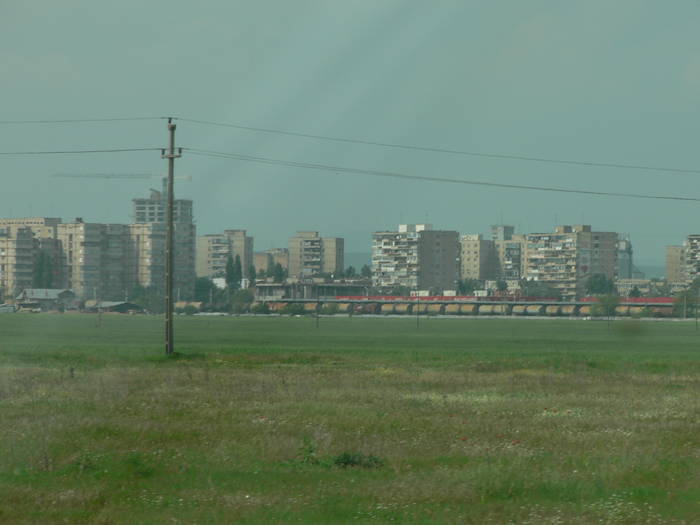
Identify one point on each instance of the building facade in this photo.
(691, 251)
(310, 255)
(676, 271)
(566, 258)
(415, 257)
(153, 208)
(213, 251)
(17, 252)
(478, 257)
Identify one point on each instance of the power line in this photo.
(340, 169)
(78, 120)
(79, 151)
(500, 156)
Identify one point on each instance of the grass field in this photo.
(272, 420)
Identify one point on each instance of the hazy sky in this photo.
(593, 80)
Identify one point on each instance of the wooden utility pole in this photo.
(171, 155)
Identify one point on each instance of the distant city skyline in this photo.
(611, 82)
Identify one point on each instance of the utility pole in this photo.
(171, 155)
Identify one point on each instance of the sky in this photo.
(601, 81)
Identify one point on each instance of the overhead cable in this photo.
(501, 156)
(340, 169)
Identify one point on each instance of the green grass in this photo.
(272, 420)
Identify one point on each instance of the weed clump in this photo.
(354, 459)
(308, 456)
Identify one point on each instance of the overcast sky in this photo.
(592, 80)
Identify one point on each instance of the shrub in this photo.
(260, 308)
(355, 459)
(329, 309)
(293, 309)
(190, 310)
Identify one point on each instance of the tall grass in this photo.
(273, 420)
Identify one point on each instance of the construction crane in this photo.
(141, 176)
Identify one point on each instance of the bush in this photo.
(190, 310)
(293, 309)
(329, 309)
(355, 459)
(260, 308)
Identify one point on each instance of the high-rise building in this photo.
(17, 252)
(310, 254)
(478, 258)
(267, 260)
(153, 208)
(47, 248)
(415, 257)
(84, 252)
(502, 232)
(147, 242)
(566, 258)
(510, 256)
(692, 257)
(676, 270)
(213, 251)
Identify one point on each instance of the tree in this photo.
(685, 302)
(241, 301)
(252, 273)
(635, 292)
(237, 271)
(234, 273)
(600, 284)
(350, 272)
(230, 272)
(539, 289)
(606, 305)
(467, 286)
(366, 271)
(151, 299)
(279, 274)
(501, 285)
(204, 289)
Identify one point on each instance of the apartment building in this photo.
(83, 246)
(147, 246)
(510, 257)
(17, 251)
(47, 248)
(310, 254)
(213, 251)
(567, 257)
(265, 261)
(153, 209)
(676, 270)
(416, 257)
(478, 257)
(691, 251)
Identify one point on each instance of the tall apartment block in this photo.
(148, 242)
(147, 245)
(310, 254)
(96, 259)
(478, 258)
(46, 244)
(213, 251)
(567, 257)
(510, 252)
(692, 257)
(153, 208)
(17, 251)
(676, 270)
(416, 257)
(265, 261)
